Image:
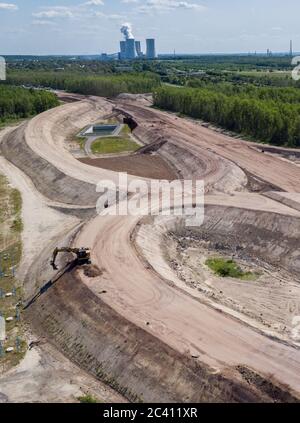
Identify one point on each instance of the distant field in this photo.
(265, 74)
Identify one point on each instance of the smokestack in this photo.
(126, 30)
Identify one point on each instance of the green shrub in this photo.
(87, 399)
(228, 268)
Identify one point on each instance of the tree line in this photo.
(16, 102)
(265, 116)
(102, 85)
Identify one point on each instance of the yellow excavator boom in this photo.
(83, 255)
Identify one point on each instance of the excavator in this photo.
(83, 255)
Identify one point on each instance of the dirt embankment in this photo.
(127, 358)
(144, 166)
(230, 155)
(255, 235)
(266, 244)
(190, 161)
(48, 180)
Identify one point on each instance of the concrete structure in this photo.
(130, 49)
(150, 52)
(138, 48)
(122, 50)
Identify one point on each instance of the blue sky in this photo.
(189, 26)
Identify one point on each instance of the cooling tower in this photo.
(138, 48)
(151, 53)
(130, 49)
(122, 50)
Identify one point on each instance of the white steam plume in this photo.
(126, 30)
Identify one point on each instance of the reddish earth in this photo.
(145, 166)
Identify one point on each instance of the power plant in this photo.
(131, 49)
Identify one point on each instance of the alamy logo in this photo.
(156, 198)
(2, 69)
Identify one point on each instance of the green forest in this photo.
(103, 85)
(16, 103)
(270, 115)
(253, 96)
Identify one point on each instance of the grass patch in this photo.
(81, 141)
(126, 130)
(88, 399)
(112, 145)
(11, 122)
(228, 269)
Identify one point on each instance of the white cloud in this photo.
(79, 11)
(8, 6)
(169, 5)
(94, 3)
(41, 22)
(112, 16)
(54, 12)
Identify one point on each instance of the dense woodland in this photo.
(103, 85)
(251, 95)
(18, 102)
(268, 115)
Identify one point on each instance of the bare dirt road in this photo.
(174, 317)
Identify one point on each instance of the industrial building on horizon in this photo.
(131, 49)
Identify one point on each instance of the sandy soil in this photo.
(132, 288)
(44, 375)
(179, 258)
(174, 317)
(41, 223)
(267, 300)
(272, 169)
(46, 134)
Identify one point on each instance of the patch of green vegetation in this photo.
(17, 225)
(228, 269)
(10, 122)
(16, 200)
(81, 141)
(88, 399)
(126, 130)
(16, 102)
(111, 121)
(111, 145)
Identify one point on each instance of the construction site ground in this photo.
(134, 328)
